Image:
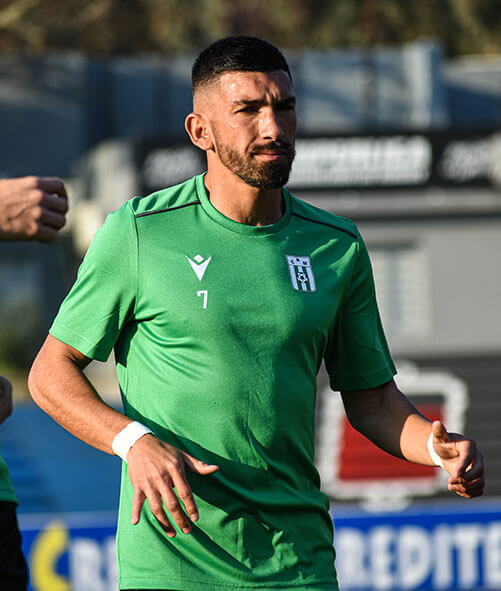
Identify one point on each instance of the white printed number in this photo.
(205, 294)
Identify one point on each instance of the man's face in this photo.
(253, 122)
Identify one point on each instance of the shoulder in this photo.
(311, 214)
(122, 223)
(172, 198)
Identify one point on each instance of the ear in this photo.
(198, 130)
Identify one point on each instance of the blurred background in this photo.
(399, 107)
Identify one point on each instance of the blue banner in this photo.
(70, 552)
(428, 547)
(454, 546)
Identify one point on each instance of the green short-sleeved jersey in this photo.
(219, 330)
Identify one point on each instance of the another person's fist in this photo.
(5, 398)
(32, 208)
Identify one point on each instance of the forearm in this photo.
(390, 421)
(414, 440)
(59, 386)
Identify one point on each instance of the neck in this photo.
(242, 203)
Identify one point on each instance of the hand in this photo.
(5, 399)
(32, 208)
(461, 459)
(155, 469)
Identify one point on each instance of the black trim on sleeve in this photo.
(352, 234)
(140, 215)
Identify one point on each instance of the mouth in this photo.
(272, 151)
(270, 155)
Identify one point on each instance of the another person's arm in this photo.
(58, 385)
(386, 417)
(32, 208)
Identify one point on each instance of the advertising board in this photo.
(444, 547)
(412, 159)
(453, 546)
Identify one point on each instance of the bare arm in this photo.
(32, 208)
(59, 387)
(386, 417)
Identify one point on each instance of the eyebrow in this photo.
(288, 100)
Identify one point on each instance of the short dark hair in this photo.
(236, 54)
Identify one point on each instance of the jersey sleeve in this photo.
(102, 299)
(357, 355)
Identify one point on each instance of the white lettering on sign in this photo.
(467, 540)
(362, 161)
(443, 573)
(93, 565)
(382, 554)
(351, 562)
(414, 557)
(493, 556)
(167, 166)
(463, 556)
(470, 159)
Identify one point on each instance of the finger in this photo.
(472, 490)
(157, 508)
(5, 399)
(198, 466)
(469, 470)
(52, 185)
(54, 203)
(476, 487)
(173, 505)
(459, 470)
(185, 494)
(52, 219)
(475, 471)
(5, 387)
(472, 476)
(440, 432)
(467, 461)
(461, 483)
(44, 233)
(137, 505)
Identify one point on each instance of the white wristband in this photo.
(435, 458)
(126, 438)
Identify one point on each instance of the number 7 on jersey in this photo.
(205, 294)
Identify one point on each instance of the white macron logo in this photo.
(199, 265)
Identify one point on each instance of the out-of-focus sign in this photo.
(70, 552)
(380, 160)
(453, 546)
(397, 160)
(352, 467)
(447, 547)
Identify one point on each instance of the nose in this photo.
(270, 125)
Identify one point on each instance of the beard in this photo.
(262, 175)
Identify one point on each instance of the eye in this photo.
(249, 109)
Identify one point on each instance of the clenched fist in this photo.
(32, 208)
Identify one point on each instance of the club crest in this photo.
(301, 273)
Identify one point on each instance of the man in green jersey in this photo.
(31, 208)
(220, 297)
